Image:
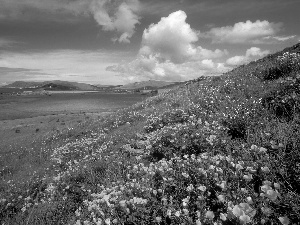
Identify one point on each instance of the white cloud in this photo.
(7, 43)
(122, 19)
(171, 38)
(168, 52)
(275, 39)
(251, 54)
(120, 16)
(244, 32)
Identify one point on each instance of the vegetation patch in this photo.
(219, 150)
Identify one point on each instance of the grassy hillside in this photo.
(220, 150)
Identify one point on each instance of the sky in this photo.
(124, 41)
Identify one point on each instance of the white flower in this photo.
(198, 222)
(249, 200)
(239, 167)
(210, 215)
(158, 219)
(107, 221)
(177, 213)
(265, 169)
(262, 150)
(190, 188)
(122, 203)
(248, 177)
(223, 216)
(169, 212)
(185, 175)
(185, 211)
(221, 198)
(272, 195)
(245, 218)
(202, 188)
(284, 220)
(277, 185)
(253, 147)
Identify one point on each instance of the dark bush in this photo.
(283, 100)
(237, 128)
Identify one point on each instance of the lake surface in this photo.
(16, 107)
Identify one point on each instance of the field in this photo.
(218, 150)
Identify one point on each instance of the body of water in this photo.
(16, 107)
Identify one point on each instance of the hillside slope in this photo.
(220, 150)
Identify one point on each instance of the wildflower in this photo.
(198, 222)
(122, 203)
(277, 185)
(169, 212)
(222, 185)
(262, 150)
(185, 211)
(265, 169)
(239, 167)
(284, 220)
(249, 200)
(202, 188)
(248, 177)
(190, 188)
(253, 147)
(272, 195)
(267, 211)
(223, 216)
(280, 145)
(244, 212)
(245, 218)
(210, 215)
(185, 175)
(158, 219)
(77, 212)
(221, 198)
(107, 221)
(177, 213)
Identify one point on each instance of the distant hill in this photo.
(150, 84)
(106, 87)
(56, 84)
(53, 87)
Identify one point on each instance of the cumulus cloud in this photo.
(251, 54)
(169, 52)
(244, 32)
(171, 38)
(120, 16)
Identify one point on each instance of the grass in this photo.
(219, 150)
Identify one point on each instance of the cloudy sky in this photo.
(122, 41)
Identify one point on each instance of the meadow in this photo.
(218, 150)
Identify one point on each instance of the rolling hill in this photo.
(59, 85)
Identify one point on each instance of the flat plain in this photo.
(26, 118)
